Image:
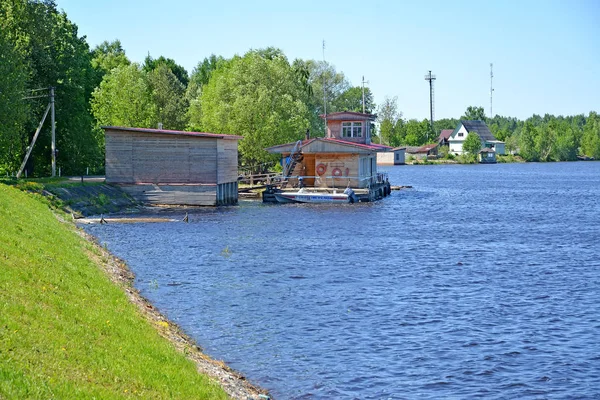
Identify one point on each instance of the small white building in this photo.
(488, 140)
(395, 156)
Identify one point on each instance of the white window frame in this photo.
(352, 129)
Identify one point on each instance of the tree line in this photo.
(261, 95)
(547, 138)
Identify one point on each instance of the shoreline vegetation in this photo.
(73, 326)
(462, 159)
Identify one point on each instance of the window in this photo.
(460, 134)
(351, 129)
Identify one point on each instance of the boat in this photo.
(305, 196)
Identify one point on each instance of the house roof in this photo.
(420, 149)
(445, 134)
(170, 132)
(487, 150)
(477, 126)
(333, 143)
(342, 115)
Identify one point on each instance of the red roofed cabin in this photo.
(159, 166)
(345, 157)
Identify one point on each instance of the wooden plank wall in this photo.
(227, 156)
(137, 157)
(118, 161)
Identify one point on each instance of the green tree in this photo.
(150, 64)
(387, 116)
(168, 96)
(527, 147)
(54, 55)
(545, 140)
(566, 143)
(107, 56)
(327, 85)
(13, 109)
(200, 77)
(474, 114)
(351, 100)
(124, 98)
(472, 143)
(259, 98)
(417, 133)
(590, 143)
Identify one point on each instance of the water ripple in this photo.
(481, 282)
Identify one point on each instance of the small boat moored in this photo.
(305, 196)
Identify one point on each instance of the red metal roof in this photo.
(341, 114)
(445, 134)
(374, 147)
(170, 132)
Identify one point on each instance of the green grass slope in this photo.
(67, 331)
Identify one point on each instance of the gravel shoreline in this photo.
(234, 383)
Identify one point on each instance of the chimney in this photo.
(307, 134)
(160, 125)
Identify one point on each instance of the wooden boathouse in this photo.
(344, 158)
(165, 167)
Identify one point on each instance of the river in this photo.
(482, 281)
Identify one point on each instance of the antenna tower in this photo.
(324, 95)
(491, 88)
(429, 77)
(363, 92)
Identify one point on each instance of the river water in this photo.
(482, 281)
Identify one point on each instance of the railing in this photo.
(290, 161)
(330, 181)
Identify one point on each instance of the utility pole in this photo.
(53, 123)
(491, 88)
(429, 77)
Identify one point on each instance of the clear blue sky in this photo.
(546, 54)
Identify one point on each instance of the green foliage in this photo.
(106, 57)
(259, 98)
(472, 143)
(351, 100)
(417, 133)
(13, 109)
(124, 99)
(474, 114)
(388, 116)
(527, 148)
(52, 54)
(326, 84)
(466, 158)
(151, 64)
(590, 143)
(168, 96)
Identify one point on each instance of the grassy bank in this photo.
(67, 331)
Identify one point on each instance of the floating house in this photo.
(487, 156)
(459, 135)
(344, 158)
(157, 166)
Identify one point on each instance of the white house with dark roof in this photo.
(488, 140)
